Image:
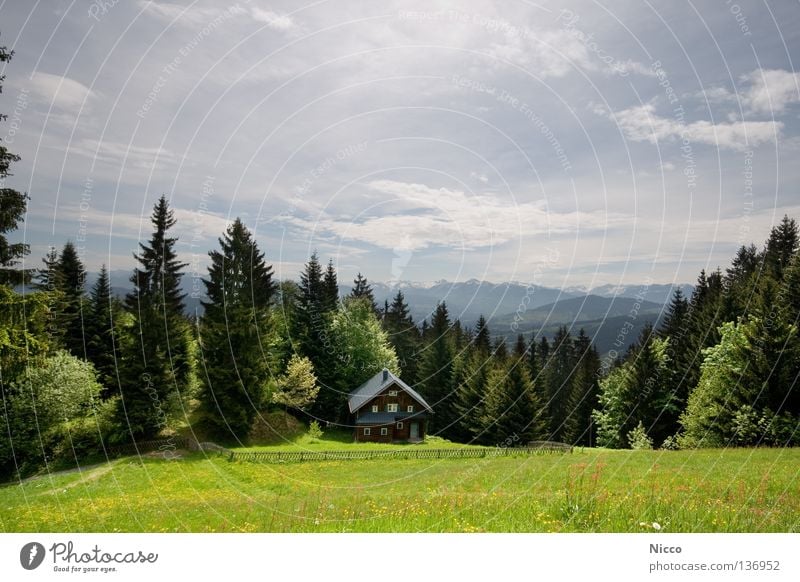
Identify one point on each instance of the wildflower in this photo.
(656, 526)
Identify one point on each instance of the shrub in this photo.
(638, 439)
(314, 431)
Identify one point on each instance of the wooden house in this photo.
(385, 409)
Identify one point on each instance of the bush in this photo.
(638, 439)
(314, 431)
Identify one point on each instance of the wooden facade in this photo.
(391, 412)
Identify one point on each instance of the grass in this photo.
(337, 440)
(735, 490)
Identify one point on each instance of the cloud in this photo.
(424, 217)
(641, 123)
(62, 92)
(273, 20)
(191, 15)
(767, 91)
(771, 91)
(117, 153)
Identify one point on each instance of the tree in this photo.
(781, 246)
(515, 413)
(404, 336)
(361, 350)
(46, 278)
(12, 210)
(676, 316)
(585, 388)
(363, 290)
(558, 383)
(297, 387)
(483, 338)
(43, 411)
(330, 288)
(156, 354)
(71, 278)
(436, 372)
(233, 331)
(100, 341)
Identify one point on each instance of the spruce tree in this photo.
(677, 315)
(233, 331)
(585, 388)
(71, 280)
(558, 383)
(330, 288)
(363, 290)
(156, 364)
(436, 372)
(12, 210)
(781, 246)
(100, 342)
(46, 278)
(404, 336)
(515, 414)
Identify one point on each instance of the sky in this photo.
(556, 143)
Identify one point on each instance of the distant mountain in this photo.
(656, 293)
(601, 311)
(612, 322)
(468, 300)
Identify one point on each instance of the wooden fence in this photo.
(409, 452)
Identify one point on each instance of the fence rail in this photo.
(410, 452)
(405, 453)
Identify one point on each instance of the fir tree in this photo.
(515, 414)
(233, 330)
(330, 288)
(71, 279)
(436, 372)
(585, 388)
(781, 246)
(558, 383)
(12, 210)
(363, 290)
(156, 355)
(404, 336)
(100, 343)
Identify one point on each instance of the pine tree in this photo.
(156, 364)
(483, 338)
(585, 388)
(318, 297)
(71, 279)
(677, 315)
(12, 210)
(515, 413)
(330, 288)
(436, 372)
(233, 331)
(781, 246)
(100, 342)
(558, 383)
(404, 336)
(46, 278)
(363, 290)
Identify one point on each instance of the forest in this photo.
(82, 369)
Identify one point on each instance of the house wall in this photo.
(403, 400)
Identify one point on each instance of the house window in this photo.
(391, 407)
(367, 431)
(384, 431)
(399, 426)
(374, 408)
(410, 408)
(392, 392)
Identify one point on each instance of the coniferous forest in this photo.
(82, 369)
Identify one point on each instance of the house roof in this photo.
(375, 385)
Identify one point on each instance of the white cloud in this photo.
(641, 123)
(62, 92)
(273, 20)
(771, 91)
(117, 153)
(191, 15)
(423, 217)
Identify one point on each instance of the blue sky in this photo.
(569, 143)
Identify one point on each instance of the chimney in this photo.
(385, 374)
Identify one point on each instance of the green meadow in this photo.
(590, 490)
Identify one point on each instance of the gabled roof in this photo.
(375, 385)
